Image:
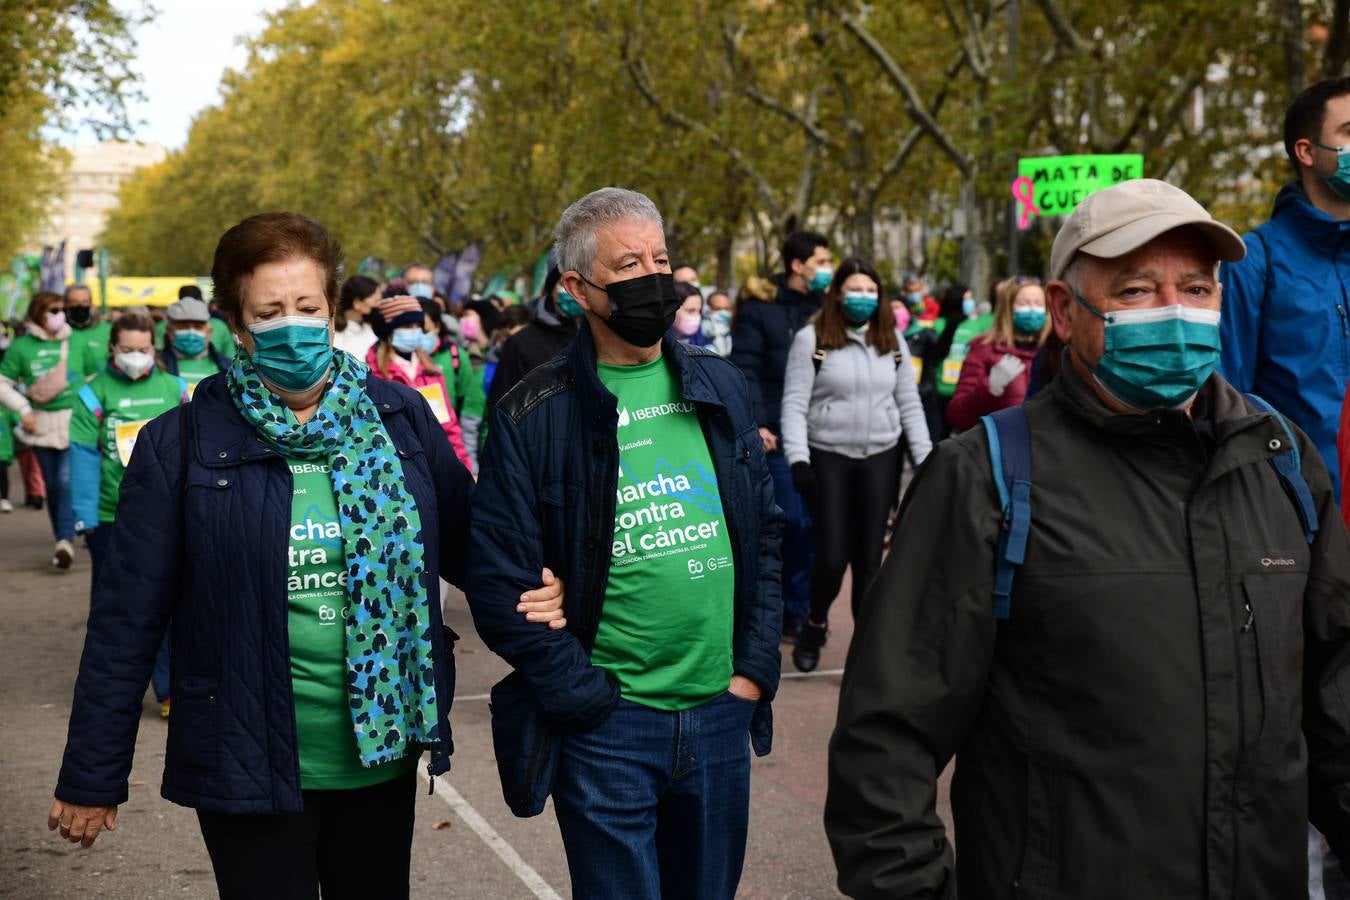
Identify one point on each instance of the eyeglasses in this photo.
(1026, 279)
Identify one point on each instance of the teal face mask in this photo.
(1339, 181)
(293, 353)
(1158, 356)
(968, 307)
(821, 279)
(421, 290)
(189, 343)
(1029, 321)
(859, 307)
(568, 305)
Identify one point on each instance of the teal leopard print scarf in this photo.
(389, 657)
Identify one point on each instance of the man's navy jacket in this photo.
(546, 497)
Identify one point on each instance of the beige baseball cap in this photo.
(1124, 217)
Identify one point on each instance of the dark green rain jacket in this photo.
(1165, 709)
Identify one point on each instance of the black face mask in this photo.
(78, 315)
(641, 309)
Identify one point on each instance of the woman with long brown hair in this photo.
(848, 395)
(997, 368)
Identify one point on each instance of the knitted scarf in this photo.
(390, 682)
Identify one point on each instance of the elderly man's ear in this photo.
(1059, 299)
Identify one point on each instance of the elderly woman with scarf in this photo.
(288, 526)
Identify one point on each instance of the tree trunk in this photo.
(1291, 22)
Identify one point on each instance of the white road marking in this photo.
(815, 674)
(521, 869)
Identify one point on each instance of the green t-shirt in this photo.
(9, 420)
(951, 366)
(466, 385)
(194, 370)
(221, 338)
(316, 590)
(92, 345)
(29, 357)
(109, 415)
(666, 630)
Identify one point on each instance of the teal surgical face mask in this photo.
(568, 305)
(859, 306)
(293, 353)
(1029, 321)
(821, 279)
(421, 290)
(1339, 181)
(1157, 357)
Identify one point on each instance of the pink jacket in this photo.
(426, 378)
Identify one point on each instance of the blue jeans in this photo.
(799, 546)
(55, 466)
(97, 542)
(657, 804)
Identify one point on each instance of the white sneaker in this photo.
(65, 554)
(6, 506)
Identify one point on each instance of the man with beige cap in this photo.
(1165, 700)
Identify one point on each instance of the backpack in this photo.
(818, 355)
(1010, 461)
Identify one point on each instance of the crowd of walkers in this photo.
(1117, 588)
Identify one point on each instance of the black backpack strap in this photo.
(1010, 461)
(818, 355)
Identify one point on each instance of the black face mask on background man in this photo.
(641, 309)
(78, 315)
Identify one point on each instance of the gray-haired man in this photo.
(632, 466)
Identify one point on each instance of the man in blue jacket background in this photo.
(760, 341)
(633, 465)
(1286, 318)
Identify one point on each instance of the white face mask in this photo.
(134, 365)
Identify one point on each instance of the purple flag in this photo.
(464, 269)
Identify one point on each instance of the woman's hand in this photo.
(81, 824)
(28, 422)
(545, 604)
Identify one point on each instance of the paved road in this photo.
(157, 850)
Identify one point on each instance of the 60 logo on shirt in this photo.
(327, 614)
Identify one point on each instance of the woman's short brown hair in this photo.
(37, 307)
(271, 237)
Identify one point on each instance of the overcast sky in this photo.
(182, 54)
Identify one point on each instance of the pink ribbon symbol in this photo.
(1024, 192)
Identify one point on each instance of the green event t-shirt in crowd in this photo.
(29, 357)
(194, 370)
(92, 345)
(316, 590)
(666, 630)
(124, 408)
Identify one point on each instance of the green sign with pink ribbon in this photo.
(1055, 185)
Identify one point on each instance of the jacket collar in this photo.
(598, 403)
(1243, 433)
(1292, 204)
(223, 438)
(788, 297)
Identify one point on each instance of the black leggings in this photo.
(350, 844)
(4, 481)
(853, 499)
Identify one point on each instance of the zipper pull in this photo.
(1251, 619)
(431, 781)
